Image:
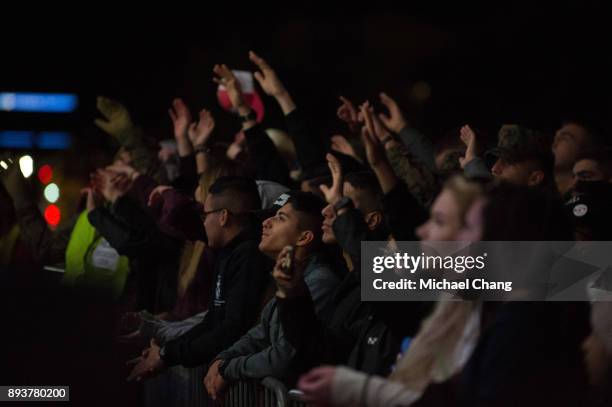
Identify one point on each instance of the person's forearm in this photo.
(143, 157)
(130, 137)
(164, 316)
(352, 387)
(419, 179)
(385, 175)
(476, 168)
(245, 346)
(247, 124)
(202, 163)
(273, 361)
(286, 103)
(184, 147)
(419, 146)
(168, 331)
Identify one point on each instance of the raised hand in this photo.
(334, 193)
(371, 135)
(181, 117)
(226, 78)
(237, 146)
(394, 121)
(110, 185)
(122, 168)
(373, 122)
(117, 120)
(342, 145)
(271, 84)
(347, 112)
(288, 285)
(267, 78)
(317, 385)
(199, 132)
(469, 139)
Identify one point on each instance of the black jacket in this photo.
(528, 354)
(153, 255)
(241, 278)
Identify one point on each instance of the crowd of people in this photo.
(242, 261)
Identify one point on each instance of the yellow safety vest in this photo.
(92, 263)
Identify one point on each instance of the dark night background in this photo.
(485, 65)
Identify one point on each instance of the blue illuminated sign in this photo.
(46, 140)
(16, 139)
(38, 102)
(54, 140)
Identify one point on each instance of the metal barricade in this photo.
(251, 393)
(182, 386)
(295, 400)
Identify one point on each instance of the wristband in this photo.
(202, 148)
(251, 116)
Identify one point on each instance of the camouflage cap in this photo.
(516, 144)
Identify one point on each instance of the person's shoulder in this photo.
(320, 270)
(247, 245)
(248, 250)
(269, 309)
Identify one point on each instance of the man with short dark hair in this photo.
(263, 350)
(522, 157)
(363, 194)
(241, 277)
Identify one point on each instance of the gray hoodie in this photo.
(263, 351)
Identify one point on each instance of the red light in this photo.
(52, 215)
(45, 174)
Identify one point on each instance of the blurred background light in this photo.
(53, 140)
(45, 174)
(52, 215)
(52, 193)
(26, 165)
(45, 140)
(38, 102)
(16, 139)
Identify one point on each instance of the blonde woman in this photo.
(446, 338)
